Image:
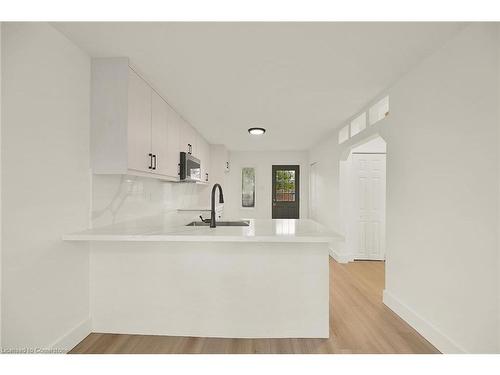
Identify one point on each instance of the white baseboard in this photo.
(437, 338)
(340, 258)
(73, 337)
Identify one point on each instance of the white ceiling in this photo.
(298, 80)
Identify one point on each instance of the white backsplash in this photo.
(117, 198)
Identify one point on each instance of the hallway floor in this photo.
(359, 323)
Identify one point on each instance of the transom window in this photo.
(358, 124)
(379, 110)
(376, 112)
(344, 134)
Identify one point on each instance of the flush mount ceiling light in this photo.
(256, 131)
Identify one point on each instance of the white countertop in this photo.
(159, 228)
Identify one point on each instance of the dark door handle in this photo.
(190, 149)
(150, 161)
(154, 158)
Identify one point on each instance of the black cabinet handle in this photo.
(206, 179)
(190, 148)
(154, 158)
(150, 161)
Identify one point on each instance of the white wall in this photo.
(442, 193)
(262, 162)
(119, 198)
(326, 205)
(45, 188)
(498, 204)
(375, 145)
(0, 184)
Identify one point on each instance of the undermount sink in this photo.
(242, 223)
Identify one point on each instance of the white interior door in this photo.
(369, 205)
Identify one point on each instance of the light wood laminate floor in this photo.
(359, 323)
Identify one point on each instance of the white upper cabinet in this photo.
(133, 129)
(173, 142)
(159, 135)
(139, 123)
(226, 160)
(203, 153)
(187, 138)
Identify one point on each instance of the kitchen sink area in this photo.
(241, 223)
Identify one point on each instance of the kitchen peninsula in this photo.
(158, 276)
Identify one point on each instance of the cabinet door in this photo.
(187, 138)
(173, 142)
(139, 123)
(207, 162)
(159, 134)
(226, 160)
(203, 149)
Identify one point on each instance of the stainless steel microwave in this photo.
(190, 169)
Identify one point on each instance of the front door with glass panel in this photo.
(285, 198)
